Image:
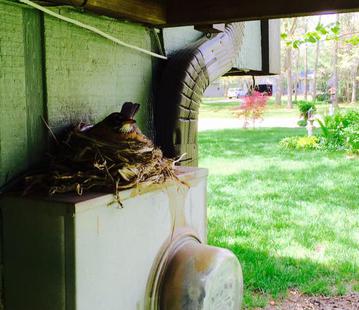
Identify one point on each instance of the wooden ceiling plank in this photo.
(146, 11)
(143, 11)
(189, 12)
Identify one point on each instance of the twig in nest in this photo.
(50, 130)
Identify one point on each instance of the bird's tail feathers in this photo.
(130, 109)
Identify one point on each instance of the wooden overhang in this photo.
(196, 12)
(152, 12)
(164, 13)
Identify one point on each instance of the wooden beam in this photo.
(196, 12)
(210, 28)
(143, 11)
(265, 45)
(35, 94)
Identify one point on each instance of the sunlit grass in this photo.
(214, 109)
(291, 217)
(218, 109)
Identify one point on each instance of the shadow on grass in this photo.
(267, 277)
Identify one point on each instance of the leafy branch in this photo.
(329, 32)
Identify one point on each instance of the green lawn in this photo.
(218, 109)
(225, 110)
(291, 217)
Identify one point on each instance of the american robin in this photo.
(119, 126)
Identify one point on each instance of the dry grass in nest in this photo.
(83, 164)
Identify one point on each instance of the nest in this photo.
(83, 163)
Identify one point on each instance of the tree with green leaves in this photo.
(290, 27)
(343, 36)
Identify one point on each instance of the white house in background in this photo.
(241, 84)
(224, 87)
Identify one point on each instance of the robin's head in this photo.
(123, 120)
(114, 119)
(117, 120)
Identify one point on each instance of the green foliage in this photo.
(305, 107)
(312, 36)
(322, 32)
(289, 143)
(324, 97)
(335, 29)
(302, 123)
(351, 134)
(295, 43)
(324, 128)
(323, 37)
(333, 32)
(341, 131)
(354, 40)
(308, 143)
(320, 28)
(300, 143)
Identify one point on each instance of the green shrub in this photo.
(304, 108)
(302, 123)
(340, 131)
(300, 143)
(289, 143)
(308, 143)
(323, 97)
(351, 134)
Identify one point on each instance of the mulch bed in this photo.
(298, 301)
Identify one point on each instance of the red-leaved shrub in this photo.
(252, 108)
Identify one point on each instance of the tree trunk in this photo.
(278, 93)
(225, 87)
(348, 94)
(289, 66)
(316, 61)
(296, 77)
(335, 73)
(354, 88)
(306, 73)
(289, 78)
(335, 70)
(306, 65)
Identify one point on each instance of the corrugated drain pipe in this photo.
(185, 78)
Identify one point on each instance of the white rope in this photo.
(90, 28)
